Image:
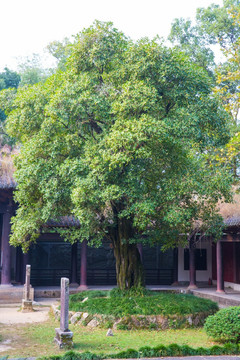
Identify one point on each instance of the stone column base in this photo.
(220, 291)
(64, 339)
(27, 305)
(6, 286)
(82, 287)
(192, 287)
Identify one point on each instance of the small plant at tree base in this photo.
(152, 326)
(134, 291)
(224, 326)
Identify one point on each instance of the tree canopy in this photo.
(121, 140)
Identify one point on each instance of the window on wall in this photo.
(200, 259)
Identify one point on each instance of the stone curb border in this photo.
(134, 321)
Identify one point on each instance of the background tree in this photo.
(228, 88)
(8, 80)
(32, 71)
(119, 141)
(189, 39)
(217, 25)
(60, 50)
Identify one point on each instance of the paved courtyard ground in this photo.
(11, 315)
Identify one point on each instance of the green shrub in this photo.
(152, 326)
(122, 327)
(224, 326)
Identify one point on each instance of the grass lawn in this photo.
(37, 339)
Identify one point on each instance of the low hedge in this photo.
(146, 351)
(224, 326)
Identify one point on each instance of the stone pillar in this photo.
(192, 266)
(6, 251)
(175, 267)
(83, 279)
(219, 257)
(27, 292)
(64, 337)
(74, 266)
(25, 261)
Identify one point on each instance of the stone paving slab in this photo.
(229, 298)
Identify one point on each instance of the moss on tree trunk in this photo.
(129, 269)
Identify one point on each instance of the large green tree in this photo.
(121, 141)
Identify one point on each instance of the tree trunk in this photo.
(129, 269)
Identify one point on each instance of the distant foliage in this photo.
(224, 326)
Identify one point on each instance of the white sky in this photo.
(28, 26)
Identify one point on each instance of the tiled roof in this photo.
(232, 221)
(7, 180)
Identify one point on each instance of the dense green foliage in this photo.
(121, 140)
(224, 325)
(154, 304)
(148, 352)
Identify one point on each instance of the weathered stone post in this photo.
(64, 337)
(27, 292)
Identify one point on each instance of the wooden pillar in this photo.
(6, 250)
(74, 265)
(175, 267)
(234, 257)
(220, 280)
(192, 266)
(19, 260)
(83, 273)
